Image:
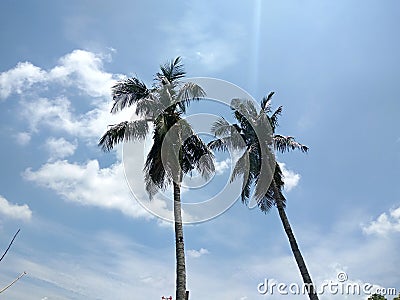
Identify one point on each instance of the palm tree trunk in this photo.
(179, 245)
(295, 248)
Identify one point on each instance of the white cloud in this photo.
(15, 211)
(84, 70)
(385, 223)
(291, 178)
(222, 166)
(20, 78)
(53, 113)
(88, 184)
(58, 115)
(197, 253)
(80, 68)
(23, 138)
(60, 148)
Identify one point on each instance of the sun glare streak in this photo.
(256, 45)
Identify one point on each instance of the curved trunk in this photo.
(295, 248)
(179, 246)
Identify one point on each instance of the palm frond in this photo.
(246, 188)
(266, 102)
(165, 95)
(287, 143)
(274, 117)
(124, 131)
(272, 195)
(219, 144)
(221, 127)
(244, 107)
(242, 166)
(257, 164)
(127, 92)
(191, 90)
(155, 175)
(172, 71)
(113, 136)
(176, 149)
(196, 155)
(264, 176)
(266, 202)
(187, 93)
(149, 107)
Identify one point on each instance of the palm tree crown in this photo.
(162, 106)
(255, 134)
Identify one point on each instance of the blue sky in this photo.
(334, 66)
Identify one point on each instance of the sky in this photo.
(334, 67)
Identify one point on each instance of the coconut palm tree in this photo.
(176, 149)
(255, 135)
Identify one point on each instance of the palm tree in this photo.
(255, 136)
(176, 149)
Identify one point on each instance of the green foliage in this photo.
(176, 149)
(254, 133)
(377, 297)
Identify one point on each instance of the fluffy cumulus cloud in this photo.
(84, 70)
(79, 73)
(291, 178)
(88, 184)
(20, 78)
(53, 113)
(58, 115)
(14, 211)
(222, 166)
(60, 148)
(81, 69)
(385, 223)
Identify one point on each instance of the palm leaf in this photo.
(287, 143)
(127, 92)
(196, 155)
(244, 107)
(219, 144)
(187, 93)
(124, 131)
(242, 166)
(274, 117)
(149, 107)
(221, 127)
(266, 102)
(171, 71)
(154, 167)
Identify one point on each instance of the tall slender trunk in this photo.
(179, 245)
(295, 248)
